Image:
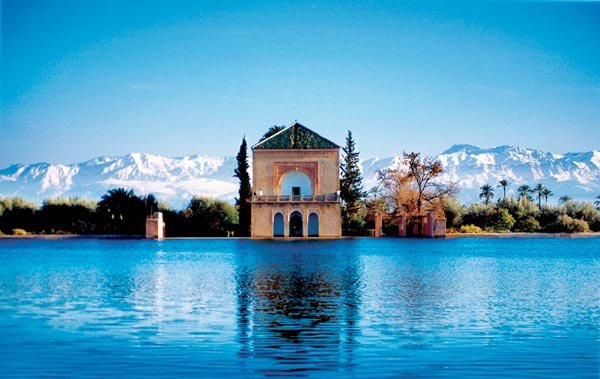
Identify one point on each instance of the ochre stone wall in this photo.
(329, 218)
(269, 165)
(321, 166)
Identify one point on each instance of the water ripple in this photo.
(358, 308)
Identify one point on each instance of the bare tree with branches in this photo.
(416, 184)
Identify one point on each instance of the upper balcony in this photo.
(331, 198)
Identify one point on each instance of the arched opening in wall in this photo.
(278, 227)
(296, 184)
(313, 225)
(296, 224)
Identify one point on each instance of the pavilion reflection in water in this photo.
(297, 313)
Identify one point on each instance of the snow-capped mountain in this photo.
(574, 174)
(176, 180)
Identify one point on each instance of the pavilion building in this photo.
(296, 185)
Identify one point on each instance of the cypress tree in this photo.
(351, 190)
(245, 191)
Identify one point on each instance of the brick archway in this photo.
(309, 168)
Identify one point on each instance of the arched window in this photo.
(313, 225)
(295, 183)
(296, 224)
(278, 225)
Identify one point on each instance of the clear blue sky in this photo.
(87, 78)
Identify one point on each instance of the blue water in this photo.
(467, 307)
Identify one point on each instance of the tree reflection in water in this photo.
(296, 312)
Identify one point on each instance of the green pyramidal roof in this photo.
(296, 136)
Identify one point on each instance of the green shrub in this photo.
(481, 215)
(470, 229)
(20, 232)
(528, 224)
(526, 209)
(356, 227)
(548, 216)
(209, 217)
(567, 224)
(454, 212)
(391, 227)
(503, 221)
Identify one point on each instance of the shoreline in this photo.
(523, 235)
(449, 236)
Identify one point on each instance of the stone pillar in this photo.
(155, 227)
(305, 223)
(378, 225)
(431, 217)
(439, 229)
(286, 223)
(402, 226)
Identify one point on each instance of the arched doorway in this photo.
(278, 228)
(296, 224)
(313, 225)
(296, 184)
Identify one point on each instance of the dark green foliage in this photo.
(454, 212)
(151, 204)
(176, 223)
(72, 215)
(481, 215)
(356, 226)
(548, 217)
(391, 227)
(527, 224)
(296, 137)
(351, 190)
(119, 212)
(245, 191)
(17, 213)
(209, 217)
(122, 212)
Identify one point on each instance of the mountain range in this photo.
(176, 180)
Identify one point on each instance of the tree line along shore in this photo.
(411, 190)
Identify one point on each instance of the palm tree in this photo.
(597, 202)
(375, 191)
(504, 183)
(564, 199)
(546, 192)
(524, 191)
(375, 201)
(272, 130)
(151, 204)
(122, 211)
(487, 192)
(539, 191)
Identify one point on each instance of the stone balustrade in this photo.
(296, 198)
